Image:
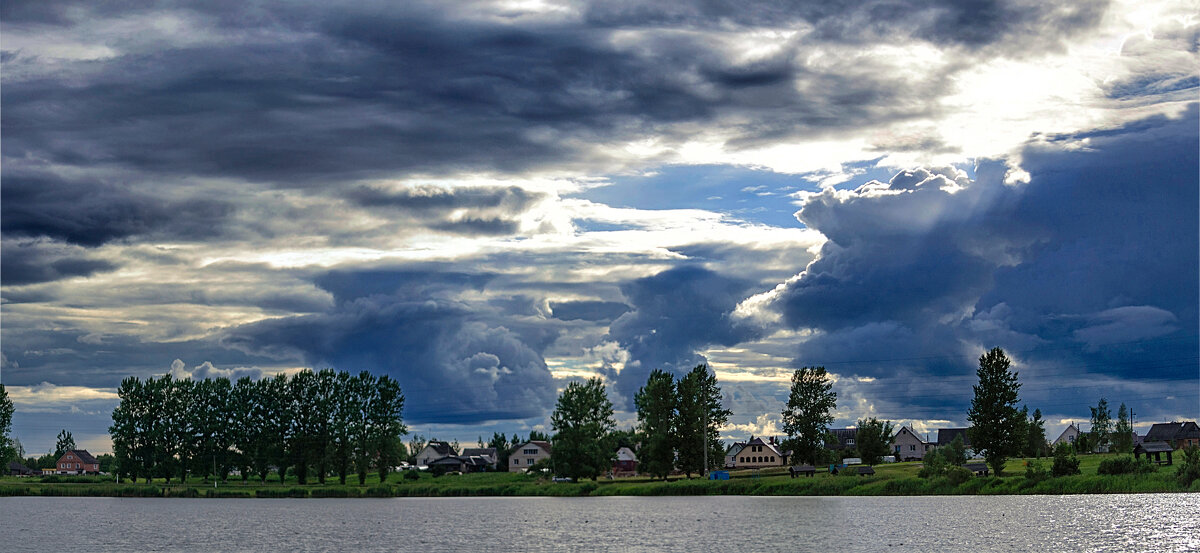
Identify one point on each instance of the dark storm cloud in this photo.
(599, 311)
(972, 23)
(456, 360)
(1089, 269)
(675, 314)
(91, 213)
(471, 210)
(31, 262)
(353, 92)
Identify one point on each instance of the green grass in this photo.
(891, 479)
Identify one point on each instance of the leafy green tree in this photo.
(536, 436)
(363, 389)
(582, 421)
(244, 425)
(1101, 425)
(933, 463)
(1085, 443)
(700, 415)
(1122, 438)
(956, 452)
(873, 439)
(1035, 441)
(1189, 470)
(7, 448)
(499, 442)
(809, 412)
(1065, 462)
(63, 443)
(994, 417)
(305, 421)
(387, 425)
(656, 402)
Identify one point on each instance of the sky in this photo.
(487, 200)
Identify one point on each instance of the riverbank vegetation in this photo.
(889, 479)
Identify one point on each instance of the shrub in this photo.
(959, 475)
(411, 475)
(379, 491)
(1036, 472)
(1189, 470)
(1065, 462)
(933, 464)
(51, 479)
(1125, 465)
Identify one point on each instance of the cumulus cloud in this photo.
(923, 272)
(456, 360)
(207, 370)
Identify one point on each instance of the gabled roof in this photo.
(483, 451)
(83, 455)
(544, 445)
(441, 448)
(905, 429)
(735, 448)
(1166, 431)
(1063, 436)
(762, 442)
(13, 465)
(626, 454)
(947, 435)
(1153, 447)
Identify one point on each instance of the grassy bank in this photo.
(893, 479)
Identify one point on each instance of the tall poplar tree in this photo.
(1123, 431)
(995, 420)
(700, 416)
(582, 422)
(1101, 425)
(809, 411)
(7, 449)
(656, 402)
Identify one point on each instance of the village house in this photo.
(77, 461)
(462, 463)
(908, 445)
(760, 453)
(433, 451)
(15, 468)
(845, 438)
(1068, 436)
(731, 454)
(626, 463)
(487, 453)
(528, 453)
(1178, 434)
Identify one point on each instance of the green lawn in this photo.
(890, 479)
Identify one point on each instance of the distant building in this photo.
(760, 453)
(528, 453)
(1068, 436)
(626, 463)
(77, 461)
(908, 445)
(17, 469)
(433, 451)
(846, 438)
(947, 435)
(731, 454)
(1179, 434)
(487, 453)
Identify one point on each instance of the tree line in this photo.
(678, 420)
(318, 423)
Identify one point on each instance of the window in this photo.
(772, 458)
(516, 461)
(912, 448)
(529, 451)
(849, 441)
(529, 461)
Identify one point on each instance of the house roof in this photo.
(905, 429)
(1153, 447)
(14, 465)
(769, 445)
(1066, 430)
(83, 455)
(735, 448)
(626, 454)
(441, 448)
(1167, 431)
(947, 435)
(844, 435)
(482, 451)
(544, 445)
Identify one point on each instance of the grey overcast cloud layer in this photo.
(489, 199)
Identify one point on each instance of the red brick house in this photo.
(77, 461)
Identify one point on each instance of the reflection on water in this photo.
(1096, 523)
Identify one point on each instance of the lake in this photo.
(1157, 523)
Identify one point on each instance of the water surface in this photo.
(1093, 523)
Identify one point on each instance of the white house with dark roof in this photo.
(527, 454)
(1068, 436)
(907, 445)
(760, 453)
(433, 451)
